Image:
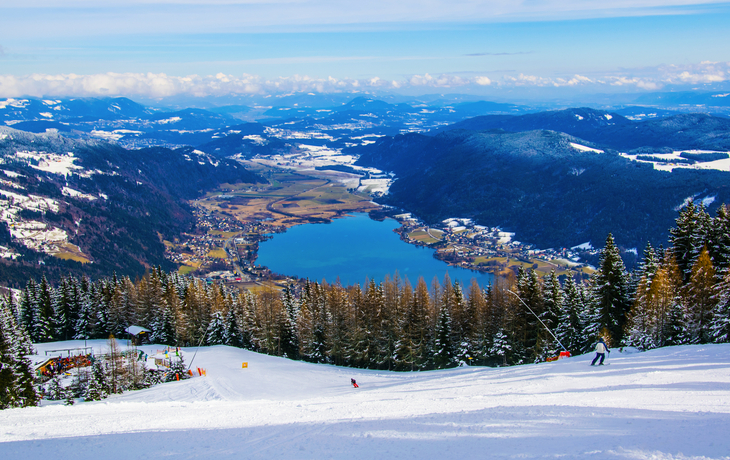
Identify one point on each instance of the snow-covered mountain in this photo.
(88, 206)
(665, 404)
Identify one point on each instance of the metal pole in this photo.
(538, 318)
(190, 366)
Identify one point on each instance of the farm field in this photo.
(290, 198)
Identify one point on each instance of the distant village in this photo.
(223, 249)
(460, 242)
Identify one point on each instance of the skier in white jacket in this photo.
(601, 349)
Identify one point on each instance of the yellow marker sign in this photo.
(244, 366)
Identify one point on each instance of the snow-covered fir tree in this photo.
(689, 236)
(720, 329)
(611, 291)
(216, 334)
(500, 347)
(444, 355)
(570, 328)
(17, 383)
(98, 385)
(719, 241)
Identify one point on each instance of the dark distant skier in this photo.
(601, 349)
(354, 383)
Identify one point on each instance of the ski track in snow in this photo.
(671, 403)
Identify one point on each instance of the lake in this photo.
(355, 249)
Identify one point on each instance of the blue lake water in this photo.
(355, 249)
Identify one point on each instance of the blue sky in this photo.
(496, 48)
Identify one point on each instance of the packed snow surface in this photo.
(671, 403)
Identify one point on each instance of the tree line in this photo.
(679, 295)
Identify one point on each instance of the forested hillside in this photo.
(105, 208)
(682, 131)
(540, 185)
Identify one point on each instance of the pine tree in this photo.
(611, 285)
(388, 326)
(570, 328)
(98, 387)
(476, 324)
(288, 324)
(720, 329)
(500, 347)
(415, 341)
(54, 389)
(177, 369)
(64, 317)
(699, 295)
(339, 320)
(216, 330)
(719, 241)
(362, 350)
(29, 308)
(553, 304)
(527, 329)
(163, 326)
(650, 262)
(444, 355)
(247, 304)
(233, 335)
(46, 296)
(85, 324)
(591, 316)
(689, 236)
(17, 387)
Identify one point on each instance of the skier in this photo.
(601, 349)
(354, 383)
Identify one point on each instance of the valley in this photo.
(234, 219)
(509, 188)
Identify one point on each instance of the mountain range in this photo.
(611, 130)
(112, 178)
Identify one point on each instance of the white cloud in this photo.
(526, 80)
(160, 85)
(482, 81)
(574, 81)
(442, 81)
(641, 83)
(702, 73)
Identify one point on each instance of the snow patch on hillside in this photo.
(16, 103)
(584, 148)
(51, 162)
(76, 194)
(108, 135)
(674, 160)
(169, 120)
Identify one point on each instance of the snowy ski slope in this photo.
(671, 403)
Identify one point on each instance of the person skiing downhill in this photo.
(601, 349)
(354, 383)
